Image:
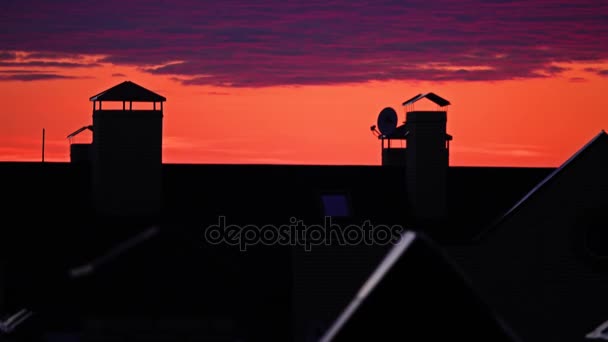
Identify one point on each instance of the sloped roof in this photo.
(78, 131)
(601, 137)
(440, 101)
(128, 91)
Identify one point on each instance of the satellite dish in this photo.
(387, 121)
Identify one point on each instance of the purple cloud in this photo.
(7, 55)
(255, 44)
(29, 77)
(43, 64)
(118, 75)
(602, 72)
(19, 71)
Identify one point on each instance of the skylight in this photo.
(335, 205)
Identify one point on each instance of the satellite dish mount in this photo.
(388, 130)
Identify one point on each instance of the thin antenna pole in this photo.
(43, 140)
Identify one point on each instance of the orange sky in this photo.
(533, 122)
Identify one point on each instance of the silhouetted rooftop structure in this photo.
(438, 100)
(147, 270)
(314, 285)
(553, 176)
(80, 130)
(272, 287)
(128, 91)
(544, 263)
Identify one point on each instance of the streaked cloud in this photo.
(29, 77)
(226, 149)
(19, 71)
(511, 150)
(7, 55)
(241, 43)
(39, 64)
(577, 79)
(220, 93)
(19, 65)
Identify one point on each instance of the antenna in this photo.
(387, 121)
(43, 138)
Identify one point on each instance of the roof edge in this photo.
(438, 100)
(492, 226)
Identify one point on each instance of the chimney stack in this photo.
(427, 159)
(127, 152)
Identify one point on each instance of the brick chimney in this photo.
(427, 159)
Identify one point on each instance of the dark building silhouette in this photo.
(408, 296)
(543, 262)
(126, 152)
(79, 152)
(524, 239)
(425, 156)
(392, 137)
(427, 160)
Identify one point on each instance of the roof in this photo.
(549, 179)
(128, 91)
(208, 280)
(274, 193)
(415, 277)
(78, 131)
(440, 101)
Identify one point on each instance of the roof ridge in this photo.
(539, 186)
(438, 100)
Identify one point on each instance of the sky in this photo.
(301, 82)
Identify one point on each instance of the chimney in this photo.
(127, 152)
(80, 153)
(427, 159)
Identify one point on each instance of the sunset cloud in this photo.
(249, 44)
(7, 55)
(38, 66)
(20, 76)
(577, 79)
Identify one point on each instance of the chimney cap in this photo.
(440, 101)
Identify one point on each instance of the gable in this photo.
(531, 262)
(586, 168)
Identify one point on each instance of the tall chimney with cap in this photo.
(427, 159)
(127, 152)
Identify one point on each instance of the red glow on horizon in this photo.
(535, 122)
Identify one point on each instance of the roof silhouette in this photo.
(128, 91)
(547, 257)
(599, 138)
(440, 101)
(78, 131)
(224, 279)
